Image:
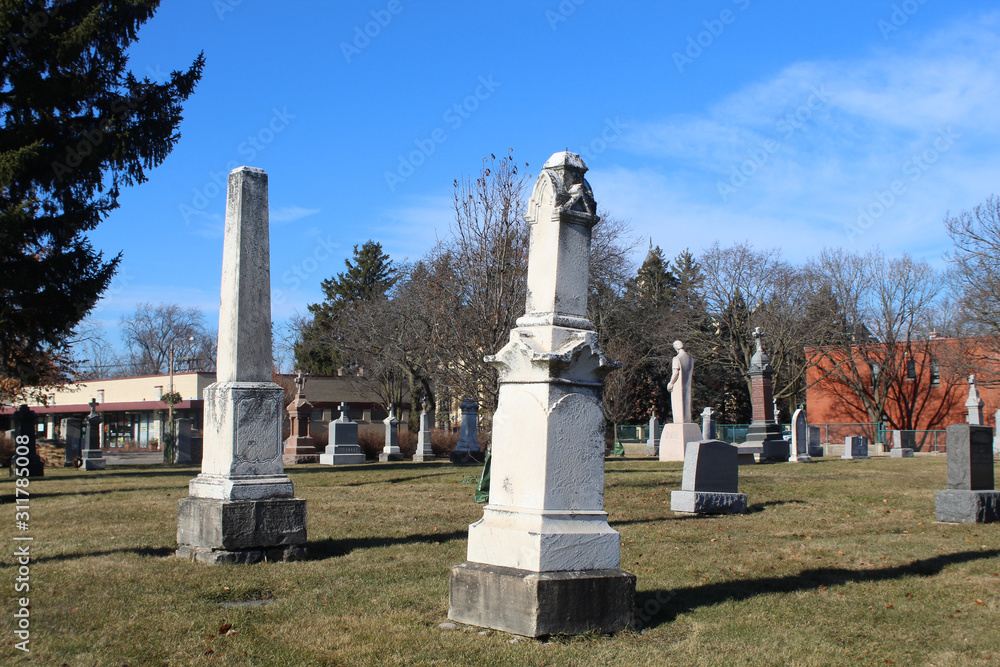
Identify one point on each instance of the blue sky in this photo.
(797, 125)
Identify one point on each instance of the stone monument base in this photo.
(299, 450)
(674, 439)
(707, 502)
(391, 456)
(900, 453)
(93, 463)
(241, 531)
(848, 456)
(537, 604)
(958, 506)
(800, 458)
(342, 455)
(745, 454)
(424, 456)
(775, 451)
(467, 458)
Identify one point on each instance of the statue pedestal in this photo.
(674, 438)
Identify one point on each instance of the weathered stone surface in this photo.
(241, 525)
(815, 445)
(343, 448)
(961, 506)
(242, 501)
(674, 439)
(91, 457)
(652, 446)
(900, 453)
(424, 451)
(800, 434)
(855, 447)
(245, 557)
(26, 423)
(537, 604)
(710, 465)
(182, 449)
(774, 451)
(467, 448)
(545, 513)
(747, 454)
(970, 457)
(707, 502)
(682, 367)
(72, 430)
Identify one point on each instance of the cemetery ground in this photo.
(837, 562)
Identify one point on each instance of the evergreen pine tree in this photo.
(370, 275)
(77, 126)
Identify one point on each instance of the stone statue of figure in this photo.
(680, 385)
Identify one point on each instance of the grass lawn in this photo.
(838, 562)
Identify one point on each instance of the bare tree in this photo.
(745, 288)
(150, 332)
(94, 356)
(886, 304)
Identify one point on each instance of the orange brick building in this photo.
(919, 385)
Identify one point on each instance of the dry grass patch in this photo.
(838, 562)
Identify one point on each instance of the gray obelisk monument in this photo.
(543, 559)
(241, 507)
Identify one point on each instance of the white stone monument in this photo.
(974, 404)
(424, 450)
(708, 424)
(996, 433)
(652, 448)
(675, 436)
(800, 439)
(391, 451)
(242, 508)
(543, 559)
(343, 448)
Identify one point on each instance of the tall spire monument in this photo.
(543, 559)
(241, 507)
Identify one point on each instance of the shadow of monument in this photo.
(331, 548)
(656, 608)
(147, 552)
(760, 507)
(396, 480)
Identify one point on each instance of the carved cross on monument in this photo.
(93, 406)
(300, 383)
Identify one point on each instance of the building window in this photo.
(911, 369)
(935, 373)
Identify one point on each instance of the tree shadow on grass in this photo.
(395, 480)
(93, 492)
(331, 548)
(375, 465)
(658, 519)
(656, 608)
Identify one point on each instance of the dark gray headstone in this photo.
(182, 450)
(815, 444)
(970, 457)
(72, 430)
(25, 454)
(710, 483)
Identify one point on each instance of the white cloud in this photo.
(287, 214)
(925, 118)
